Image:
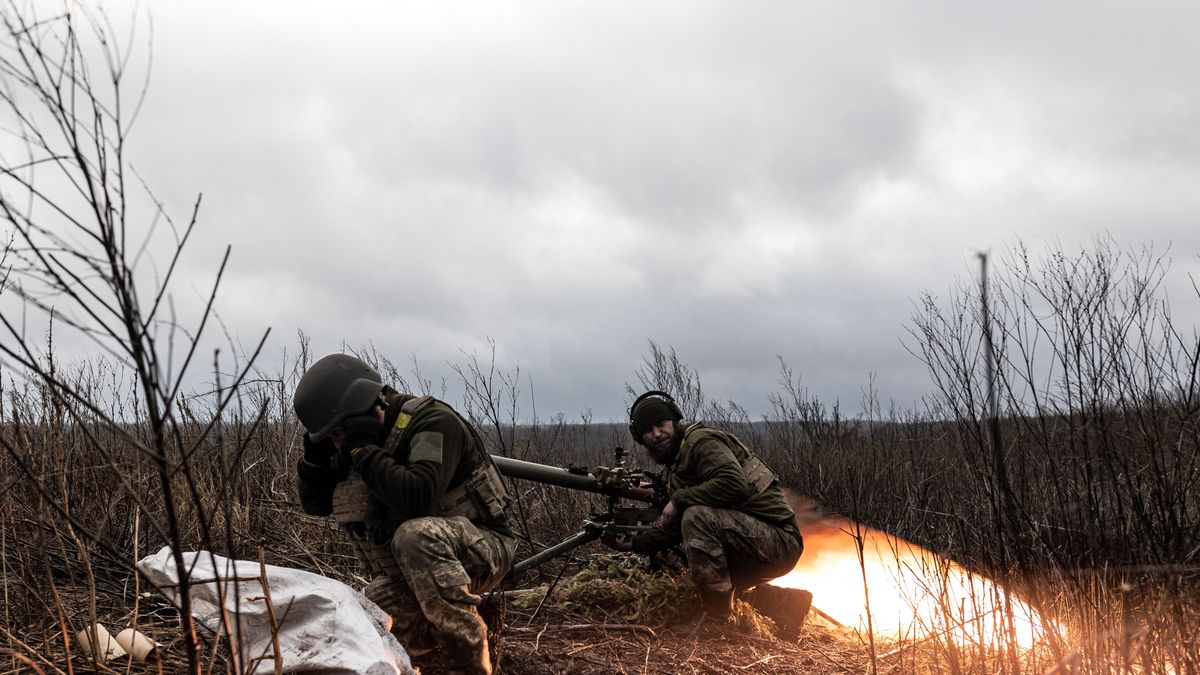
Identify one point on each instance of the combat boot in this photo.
(787, 607)
(465, 654)
(468, 665)
(717, 605)
(716, 609)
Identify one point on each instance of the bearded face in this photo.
(660, 441)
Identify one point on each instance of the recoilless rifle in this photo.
(786, 606)
(615, 483)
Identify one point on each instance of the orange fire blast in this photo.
(913, 593)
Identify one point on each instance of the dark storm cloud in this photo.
(570, 179)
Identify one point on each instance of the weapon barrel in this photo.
(556, 475)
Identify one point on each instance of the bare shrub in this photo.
(106, 461)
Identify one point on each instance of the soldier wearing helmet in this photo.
(410, 481)
(725, 508)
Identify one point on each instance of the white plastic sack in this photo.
(325, 626)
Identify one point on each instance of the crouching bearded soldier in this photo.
(410, 481)
(725, 508)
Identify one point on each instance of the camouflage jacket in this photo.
(706, 470)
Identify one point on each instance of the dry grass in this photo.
(72, 527)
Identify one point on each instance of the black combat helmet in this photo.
(334, 388)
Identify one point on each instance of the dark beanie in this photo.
(649, 412)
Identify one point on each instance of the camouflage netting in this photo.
(615, 588)
(612, 589)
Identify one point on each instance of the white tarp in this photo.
(324, 625)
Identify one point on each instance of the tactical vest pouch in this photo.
(377, 557)
(758, 475)
(391, 596)
(352, 509)
(352, 501)
(480, 498)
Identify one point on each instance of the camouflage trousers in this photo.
(444, 563)
(729, 550)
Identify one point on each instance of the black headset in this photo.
(671, 405)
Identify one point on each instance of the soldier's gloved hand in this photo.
(360, 430)
(617, 541)
(318, 452)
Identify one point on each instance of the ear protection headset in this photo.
(671, 405)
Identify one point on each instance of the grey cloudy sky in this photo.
(742, 181)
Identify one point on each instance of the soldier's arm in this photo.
(411, 489)
(724, 483)
(657, 538)
(315, 486)
(316, 477)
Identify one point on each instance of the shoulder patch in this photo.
(426, 447)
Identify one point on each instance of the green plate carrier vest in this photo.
(758, 475)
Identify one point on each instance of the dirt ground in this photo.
(553, 641)
(552, 645)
